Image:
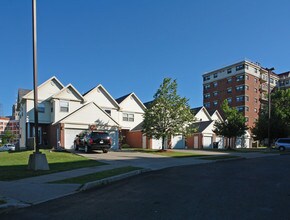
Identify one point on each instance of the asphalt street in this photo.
(239, 189)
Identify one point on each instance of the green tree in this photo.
(280, 117)
(233, 126)
(168, 114)
(7, 137)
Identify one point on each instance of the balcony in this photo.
(264, 87)
(263, 78)
(264, 97)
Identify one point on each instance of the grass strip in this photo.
(220, 157)
(97, 176)
(13, 165)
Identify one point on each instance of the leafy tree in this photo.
(7, 137)
(168, 114)
(234, 124)
(280, 117)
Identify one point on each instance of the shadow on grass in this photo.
(15, 172)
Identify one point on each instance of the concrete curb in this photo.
(108, 180)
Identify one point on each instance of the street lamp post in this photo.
(269, 105)
(37, 160)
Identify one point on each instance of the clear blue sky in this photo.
(131, 45)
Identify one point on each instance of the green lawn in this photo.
(98, 176)
(13, 165)
(169, 153)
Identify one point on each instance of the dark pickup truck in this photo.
(95, 140)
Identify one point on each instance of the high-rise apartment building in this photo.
(244, 84)
(284, 80)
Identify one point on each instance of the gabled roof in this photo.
(217, 113)
(107, 93)
(84, 106)
(21, 93)
(195, 111)
(139, 127)
(148, 104)
(47, 81)
(69, 86)
(201, 126)
(123, 98)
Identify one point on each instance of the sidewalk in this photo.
(34, 190)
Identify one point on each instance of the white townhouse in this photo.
(63, 112)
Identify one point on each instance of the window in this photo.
(256, 100)
(215, 93)
(207, 105)
(229, 100)
(256, 70)
(215, 103)
(256, 90)
(255, 110)
(240, 98)
(247, 77)
(215, 84)
(51, 109)
(215, 75)
(247, 108)
(207, 95)
(239, 78)
(229, 90)
(240, 67)
(108, 111)
(256, 80)
(247, 119)
(206, 78)
(240, 108)
(242, 87)
(41, 107)
(207, 86)
(128, 117)
(229, 70)
(247, 66)
(229, 80)
(64, 106)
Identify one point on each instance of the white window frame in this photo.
(63, 106)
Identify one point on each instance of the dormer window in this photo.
(64, 106)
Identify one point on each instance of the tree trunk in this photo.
(163, 143)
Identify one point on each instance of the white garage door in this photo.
(69, 137)
(178, 142)
(207, 141)
(157, 144)
(115, 139)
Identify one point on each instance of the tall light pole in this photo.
(269, 106)
(37, 160)
(34, 39)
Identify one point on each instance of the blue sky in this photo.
(131, 45)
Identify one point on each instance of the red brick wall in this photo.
(134, 139)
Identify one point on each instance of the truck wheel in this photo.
(105, 151)
(87, 149)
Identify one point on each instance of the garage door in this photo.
(115, 139)
(207, 141)
(178, 142)
(69, 137)
(157, 144)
